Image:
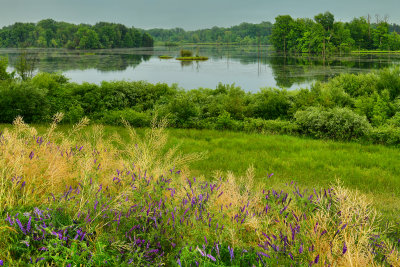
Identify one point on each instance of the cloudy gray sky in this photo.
(188, 14)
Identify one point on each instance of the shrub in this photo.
(389, 79)
(182, 111)
(336, 123)
(23, 99)
(136, 119)
(270, 126)
(225, 122)
(270, 104)
(186, 53)
(387, 135)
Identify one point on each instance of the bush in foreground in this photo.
(336, 123)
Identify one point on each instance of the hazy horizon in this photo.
(189, 15)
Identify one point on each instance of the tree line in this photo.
(53, 34)
(324, 35)
(245, 33)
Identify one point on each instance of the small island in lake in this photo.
(187, 55)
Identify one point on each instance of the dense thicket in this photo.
(347, 107)
(52, 34)
(245, 33)
(324, 35)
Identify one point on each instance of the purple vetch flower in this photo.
(205, 238)
(301, 248)
(179, 262)
(291, 256)
(264, 254)
(31, 155)
(68, 265)
(217, 248)
(269, 175)
(43, 249)
(315, 227)
(344, 248)
(316, 259)
(211, 257)
(28, 226)
(201, 252)
(1, 262)
(20, 225)
(231, 253)
(39, 259)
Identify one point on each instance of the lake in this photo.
(249, 67)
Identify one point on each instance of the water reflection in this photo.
(251, 67)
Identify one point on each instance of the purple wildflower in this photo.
(344, 248)
(316, 259)
(20, 226)
(179, 262)
(28, 226)
(211, 257)
(264, 254)
(201, 252)
(231, 253)
(39, 259)
(1, 262)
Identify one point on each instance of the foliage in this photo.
(336, 123)
(325, 36)
(186, 53)
(52, 34)
(244, 34)
(227, 107)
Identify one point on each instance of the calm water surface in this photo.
(250, 67)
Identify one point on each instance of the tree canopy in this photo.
(49, 33)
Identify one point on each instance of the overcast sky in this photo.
(188, 14)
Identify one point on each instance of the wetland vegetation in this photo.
(201, 177)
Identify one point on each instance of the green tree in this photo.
(88, 38)
(281, 31)
(326, 20)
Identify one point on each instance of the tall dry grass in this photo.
(34, 168)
